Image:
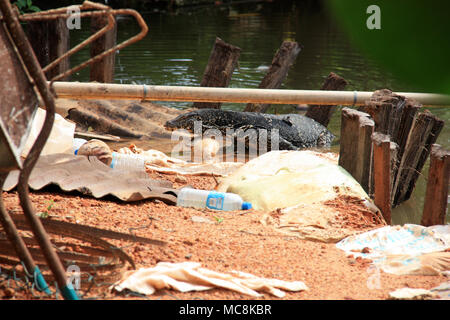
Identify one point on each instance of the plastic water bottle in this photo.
(77, 143)
(123, 161)
(189, 197)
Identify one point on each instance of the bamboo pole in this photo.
(80, 90)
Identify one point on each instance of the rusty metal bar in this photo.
(19, 246)
(33, 67)
(104, 10)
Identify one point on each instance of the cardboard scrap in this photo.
(90, 176)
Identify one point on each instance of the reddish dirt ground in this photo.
(233, 241)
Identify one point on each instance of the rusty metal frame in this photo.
(34, 70)
(99, 10)
(11, 19)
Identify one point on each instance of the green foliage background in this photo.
(26, 6)
(413, 42)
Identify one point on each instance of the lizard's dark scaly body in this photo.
(295, 131)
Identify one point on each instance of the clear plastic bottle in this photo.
(121, 161)
(189, 197)
(77, 143)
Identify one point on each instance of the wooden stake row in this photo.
(386, 155)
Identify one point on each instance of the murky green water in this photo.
(177, 48)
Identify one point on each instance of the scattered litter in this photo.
(205, 199)
(189, 276)
(407, 249)
(412, 294)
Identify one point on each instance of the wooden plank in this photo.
(382, 147)
(355, 153)
(424, 132)
(89, 135)
(103, 70)
(436, 196)
(382, 108)
(284, 58)
(323, 113)
(222, 62)
(50, 39)
(402, 128)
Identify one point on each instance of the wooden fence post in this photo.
(384, 152)
(284, 58)
(103, 70)
(50, 39)
(436, 197)
(222, 62)
(355, 154)
(322, 113)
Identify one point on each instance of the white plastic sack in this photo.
(60, 139)
(281, 179)
(402, 249)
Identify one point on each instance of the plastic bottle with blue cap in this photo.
(122, 161)
(77, 143)
(196, 198)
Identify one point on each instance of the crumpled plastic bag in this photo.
(190, 276)
(61, 135)
(407, 249)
